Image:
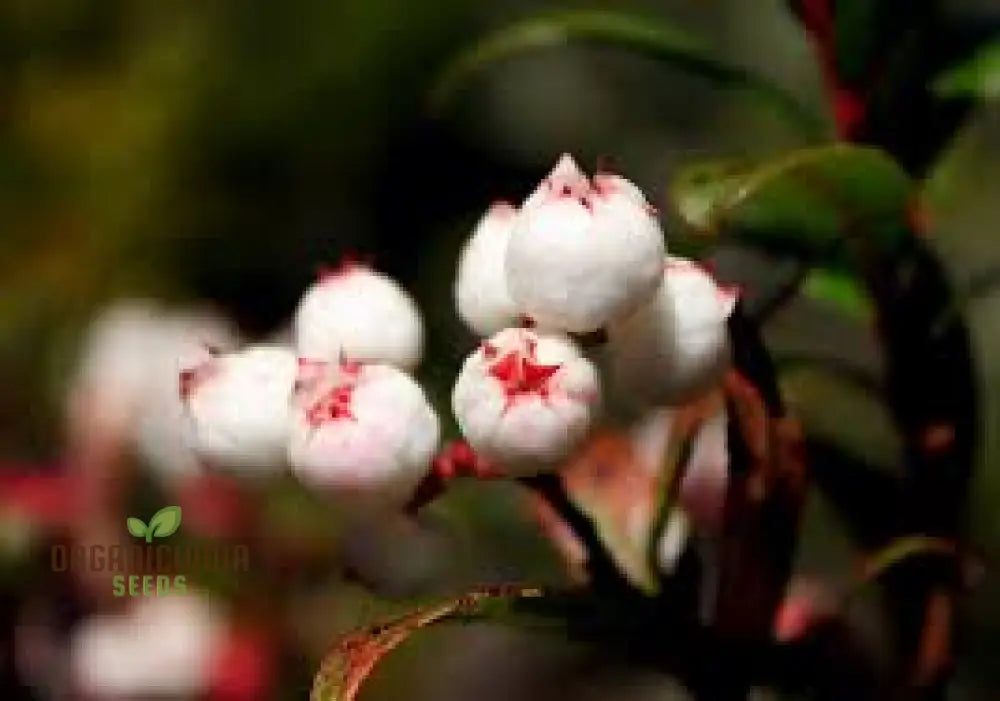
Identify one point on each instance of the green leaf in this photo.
(806, 203)
(353, 657)
(821, 396)
(840, 290)
(642, 36)
(976, 77)
(165, 522)
(136, 527)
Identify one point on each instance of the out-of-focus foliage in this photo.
(977, 77)
(636, 35)
(221, 151)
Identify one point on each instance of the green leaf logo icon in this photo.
(165, 522)
(136, 527)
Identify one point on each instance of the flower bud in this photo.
(578, 258)
(125, 392)
(239, 407)
(676, 345)
(363, 431)
(161, 648)
(360, 314)
(525, 401)
(114, 372)
(481, 284)
(182, 340)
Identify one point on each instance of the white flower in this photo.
(526, 400)
(125, 392)
(481, 283)
(239, 406)
(114, 372)
(676, 345)
(181, 341)
(364, 431)
(162, 647)
(580, 257)
(359, 314)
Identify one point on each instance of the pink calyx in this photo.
(334, 405)
(458, 459)
(349, 263)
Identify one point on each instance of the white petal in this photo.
(240, 415)
(675, 346)
(381, 452)
(566, 178)
(481, 293)
(576, 263)
(526, 432)
(362, 315)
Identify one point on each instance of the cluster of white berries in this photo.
(580, 255)
(338, 407)
(336, 403)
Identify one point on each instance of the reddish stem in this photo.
(849, 106)
(456, 459)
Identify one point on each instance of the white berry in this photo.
(359, 314)
(126, 392)
(525, 400)
(114, 375)
(161, 648)
(481, 293)
(363, 431)
(239, 407)
(182, 340)
(676, 345)
(577, 259)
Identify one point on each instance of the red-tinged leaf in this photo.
(353, 658)
(606, 482)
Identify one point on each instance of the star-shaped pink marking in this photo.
(519, 374)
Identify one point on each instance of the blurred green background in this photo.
(223, 151)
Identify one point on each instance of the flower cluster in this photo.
(337, 407)
(580, 255)
(336, 403)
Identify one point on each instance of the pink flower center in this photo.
(335, 405)
(519, 374)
